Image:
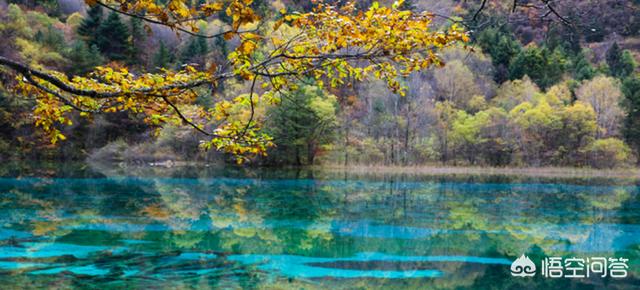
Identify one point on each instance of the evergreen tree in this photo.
(544, 67)
(203, 47)
(563, 37)
(195, 51)
(83, 58)
(628, 64)
(113, 38)
(221, 46)
(189, 52)
(51, 38)
(502, 47)
(621, 63)
(631, 129)
(303, 122)
(582, 68)
(162, 58)
(89, 26)
(137, 39)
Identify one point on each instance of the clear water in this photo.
(205, 228)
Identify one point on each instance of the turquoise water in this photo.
(270, 229)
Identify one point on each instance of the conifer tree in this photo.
(502, 47)
(83, 58)
(195, 51)
(51, 38)
(543, 66)
(137, 39)
(203, 47)
(113, 38)
(162, 58)
(582, 68)
(621, 63)
(631, 129)
(189, 52)
(89, 26)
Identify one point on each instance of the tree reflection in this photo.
(194, 231)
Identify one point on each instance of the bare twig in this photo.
(176, 27)
(475, 16)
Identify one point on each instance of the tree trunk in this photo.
(298, 161)
(311, 153)
(346, 145)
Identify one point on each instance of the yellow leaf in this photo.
(228, 35)
(211, 8)
(247, 47)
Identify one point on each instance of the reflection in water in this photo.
(283, 232)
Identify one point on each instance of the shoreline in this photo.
(420, 170)
(559, 172)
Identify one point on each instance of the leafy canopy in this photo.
(334, 45)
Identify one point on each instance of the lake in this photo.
(237, 229)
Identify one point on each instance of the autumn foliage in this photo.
(333, 45)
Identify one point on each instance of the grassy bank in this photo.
(559, 172)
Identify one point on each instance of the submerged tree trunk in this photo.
(346, 145)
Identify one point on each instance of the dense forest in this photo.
(531, 87)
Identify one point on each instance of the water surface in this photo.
(208, 228)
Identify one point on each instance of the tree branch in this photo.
(484, 2)
(187, 31)
(56, 94)
(184, 118)
(25, 70)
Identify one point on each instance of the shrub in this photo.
(608, 153)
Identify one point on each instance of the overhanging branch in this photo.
(26, 70)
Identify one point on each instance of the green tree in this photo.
(17, 24)
(621, 63)
(608, 153)
(189, 52)
(51, 38)
(137, 39)
(302, 123)
(537, 127)
(579, 129)
(113, 38)
(545, 67)
(582, 68)
(89, 27)
(83, 58)
(502, 47)
(195, 51)
(512, 93)
(631, 129)
(162, 58)
(203, 46)
(482, 136)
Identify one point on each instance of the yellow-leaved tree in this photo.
(333, 44)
